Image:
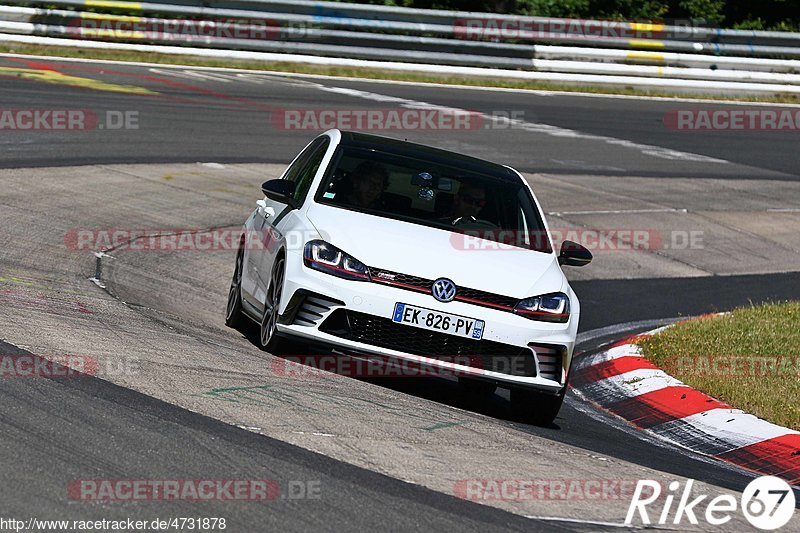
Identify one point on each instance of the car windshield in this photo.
(436, 195)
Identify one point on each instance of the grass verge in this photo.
(749, 359)
(362, 72)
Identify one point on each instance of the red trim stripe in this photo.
(610, 368)
(416, 288)
(399, 284)
(483, 302)
(778, 457)
(664, 405)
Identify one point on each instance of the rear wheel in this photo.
(535, 407)
(234, 316)
(268, 338)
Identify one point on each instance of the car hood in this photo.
(433, 253)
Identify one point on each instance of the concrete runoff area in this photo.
(683, 227)
(162, 332)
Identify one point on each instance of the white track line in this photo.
(619, 212)
(579, 521)
(533, 127)
(536, 92)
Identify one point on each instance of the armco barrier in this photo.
(624, 53)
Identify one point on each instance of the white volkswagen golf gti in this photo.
(371, 246)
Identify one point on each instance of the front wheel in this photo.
(536, 408)
(268, 339)
(234, 316)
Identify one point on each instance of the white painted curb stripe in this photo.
(624, 350)
(713, 432)
(735, 427)
(632, 384)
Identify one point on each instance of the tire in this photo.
(234, 316)
(535, 407)
(475, 388)
(267, 337)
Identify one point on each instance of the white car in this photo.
(371, 246)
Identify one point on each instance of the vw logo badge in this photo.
(444, 290)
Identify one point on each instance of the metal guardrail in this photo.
(686, 31)
(384, 14)
(454, 24)
(429, 37)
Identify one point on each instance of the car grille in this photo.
(384, 333)
(464, 294)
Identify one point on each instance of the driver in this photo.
(468, 202)
(368, 181)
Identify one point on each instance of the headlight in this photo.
(546, 308)
(327, 258)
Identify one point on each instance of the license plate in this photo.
(419, 317)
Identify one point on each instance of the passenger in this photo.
(368, 181)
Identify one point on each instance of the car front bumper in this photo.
(319, 295)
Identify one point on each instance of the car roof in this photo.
(435, 155)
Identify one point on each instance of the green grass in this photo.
(749, 359)
(362, 72)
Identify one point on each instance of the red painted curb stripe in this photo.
(778, 457)
(612, 367)
(664, 405)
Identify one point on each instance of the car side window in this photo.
(308, 169)
(298, 164)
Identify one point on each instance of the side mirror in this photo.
(281, 191)
(573, 254)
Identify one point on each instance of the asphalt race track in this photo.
(180, 396)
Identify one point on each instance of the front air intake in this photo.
(306, 308)
(550, 359)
